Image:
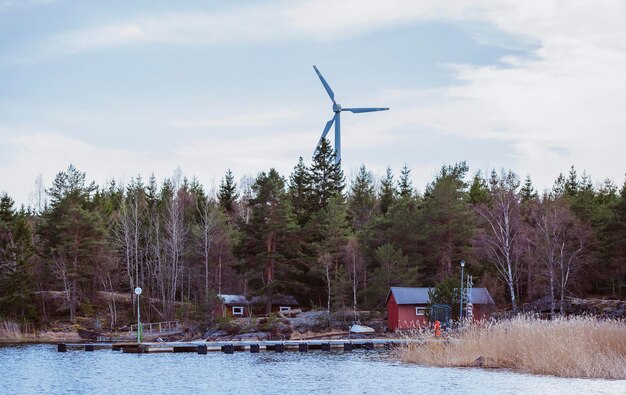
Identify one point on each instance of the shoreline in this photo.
(580, 347)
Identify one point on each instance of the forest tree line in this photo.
(329, 244)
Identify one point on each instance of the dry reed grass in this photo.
(12, 332)
(566, 347)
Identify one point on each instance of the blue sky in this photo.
(125, 88)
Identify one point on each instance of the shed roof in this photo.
(285, 300)
(233, 299)
(414, 295)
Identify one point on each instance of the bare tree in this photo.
(559, 242)
(501, 238)
(174, 243)
(207, 226)
(128, 238)
(326, 266)
(354, 265)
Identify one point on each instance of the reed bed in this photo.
(565, 347)
(12, 332)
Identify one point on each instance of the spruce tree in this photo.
(570, 187)
(405, 185)
(528, 193)
(300, 192)
(478, 193)
(558, 189)
(362, 199)
(327, 178)
(387, 193)
(227, 195)
(17, 299)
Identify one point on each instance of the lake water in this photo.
(40, 369)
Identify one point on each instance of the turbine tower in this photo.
(336, 119)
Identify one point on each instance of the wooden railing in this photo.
(157, 327)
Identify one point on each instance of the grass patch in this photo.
(565, 347)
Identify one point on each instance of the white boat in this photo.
(361, 329)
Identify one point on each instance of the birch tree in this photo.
(559, 242)
(502, 238)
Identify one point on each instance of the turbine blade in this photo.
(370, 109)
(326, 86)
(329, 124)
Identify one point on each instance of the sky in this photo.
(121, 89)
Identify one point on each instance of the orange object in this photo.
(437, 328)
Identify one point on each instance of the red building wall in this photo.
(407, 318)
(392, 314)
(403, 316)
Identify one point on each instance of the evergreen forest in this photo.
(332, 243)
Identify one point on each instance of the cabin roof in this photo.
(419, 295)
(284, 300)
(233, 299)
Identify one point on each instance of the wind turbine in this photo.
(336, 119)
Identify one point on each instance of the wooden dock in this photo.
(230, 347)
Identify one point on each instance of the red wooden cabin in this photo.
(406, 307)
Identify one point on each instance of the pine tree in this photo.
(447, 222)
(74, 236)
(387, 193)
(269, 234)
(405, 185)
(227, 195)
(327, 178)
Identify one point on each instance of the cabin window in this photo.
(285, 309)
(420, 311)
(237, 310)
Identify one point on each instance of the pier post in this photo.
(89, 347)
(325, 346)
(62, 347)
(116, 348)
(228, 348)
(202, 349)
(347, 346)
(279, 347)
(254, 348)
(303, 347)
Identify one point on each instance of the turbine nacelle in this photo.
(336, 119)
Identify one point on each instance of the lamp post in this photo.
(462, 262)
(138, 292)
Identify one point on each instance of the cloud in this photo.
(253, 119)
(46, 152)
(278, 21)
(11, 5)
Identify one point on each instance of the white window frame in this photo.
(420, 311)
(237, 310)
(285, 309)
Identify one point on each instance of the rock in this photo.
(310, 321)
(478, 362)
(216, 334)
(601, 308)
(252, 336)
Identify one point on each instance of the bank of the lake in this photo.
(29, 369)
(582, 347)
